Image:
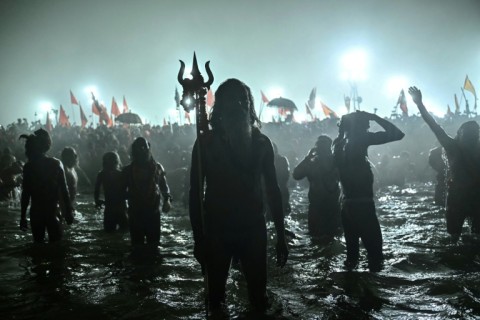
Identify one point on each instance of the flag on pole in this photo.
(311, 99)
(177, 99)
(347, 102)
(114, 109)
(449, 111)
(402, 101)
(264, 97)
(457, 105)
(309, 112)
(73, 100)
(125, 106)
(104, 116)
(469, 87)
(210, 98)
(83, 118)
(328, 112)
(63, 119)
(48, 124)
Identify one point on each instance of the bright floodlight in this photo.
(274, 92)
(46, 106)
(354, 65)
(88, 91)
(395, 84)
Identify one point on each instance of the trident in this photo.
(193, 97)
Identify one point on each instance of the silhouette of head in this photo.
(111, 160)
(354, 123)
(323, 144)
(69, 157)
(233, 102)
(37, 144)
(141, 150)
(468, 134)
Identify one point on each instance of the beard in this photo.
(238, 132)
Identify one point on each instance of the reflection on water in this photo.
(91, 274)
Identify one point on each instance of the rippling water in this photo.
(91, 275)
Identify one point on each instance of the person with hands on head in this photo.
(234, 157)
(44, 186)
(350, 151)
(463, 170)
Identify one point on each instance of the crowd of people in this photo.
(232, 176)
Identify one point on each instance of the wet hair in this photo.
(353, 122)
(37, 143)
(323, 140)
(221, 96)
(69, 157)
(111, 160)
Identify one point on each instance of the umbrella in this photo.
(129, 118)
(282, 103)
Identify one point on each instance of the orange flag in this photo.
(328, 112)
(125, 106)
(83, 118)
(402, 101)
(63, 119)
(114, 109)
(73, 100)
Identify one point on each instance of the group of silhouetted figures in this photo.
(234, 186)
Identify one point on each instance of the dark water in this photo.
(91, 276)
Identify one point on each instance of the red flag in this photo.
(264, 97)
(402, 101)
(63, 119)
(96, 108)
(311, 99)
(83, 117)
(114, 109)
(104, 116)
(328, 112)
(210, 98)
(48, 124)
(125, 106)
(187, 117)
(73, 100)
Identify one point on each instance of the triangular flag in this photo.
(177, 99)
(125, 106)
(73, 100)
(309, 112)
(114, 110)
(469, 87)
(457, 105)
(449, 112)
(83, 118)
(328, 112)
(264, 97)
(48, 124)
(311, 99)
(402, 101)
(63, 119)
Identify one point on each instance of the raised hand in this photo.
(416, 95)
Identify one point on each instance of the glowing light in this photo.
(395, 84)
(89, 90)
(354, 64)
(274, 92)
(46, 106)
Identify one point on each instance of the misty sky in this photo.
(132, 48)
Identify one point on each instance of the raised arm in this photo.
(274, 198)
(302, 169)
(445, 140)
(391, 133)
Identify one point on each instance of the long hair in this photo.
(37, 143)
(221, 97)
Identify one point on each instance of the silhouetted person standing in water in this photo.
(358, 208)
(235, 156)
(45, 185)
(145, 185)
(70, 161)
(435, 160)
(324, 193)
(110, 178)
(463, 170)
